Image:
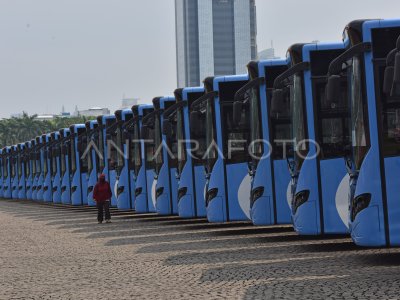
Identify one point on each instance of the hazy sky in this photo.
(94, 52)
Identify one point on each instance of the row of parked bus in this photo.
(312, 140)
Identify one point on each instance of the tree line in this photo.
(26, 128)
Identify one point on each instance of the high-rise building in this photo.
(213, 37)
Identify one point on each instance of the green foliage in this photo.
(26, 128)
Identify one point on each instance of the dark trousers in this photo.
(103, 206)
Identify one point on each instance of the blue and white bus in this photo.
(14, 171)
(65, 161)
(40, 168)
(191, 148)
(227, 158)
(109, 125)
(6, 173)
(35, 157)
(125, 186)
(78, 165)
(47, 170)
(165, 161)
(142, 157)
(374, 158)
(55, 152)
(93, 132)
(28, 168)
(321, 135)
(21, 171)
(270, 200)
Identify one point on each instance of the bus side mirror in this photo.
(195, 121)
(237, 112)
(144, 131)
(277, 102)
(167, 128)
(333, 93)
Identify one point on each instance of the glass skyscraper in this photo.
(213, 37)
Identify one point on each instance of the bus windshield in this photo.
(333, 129)
(135, 146)
(45, 161)
(19, 162)
(359, 131)
(83, 159)
(120, 144)
(158, 159)
(55, 155)
(100, 146)
(72, 153)
(299, 129)
(211, 143)
(89, 157)
(180, 138)
(256, 146)
(12, 162)
(38, 162)
(5, 167)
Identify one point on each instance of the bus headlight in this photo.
(256, 194)
(90, 189)
(73, 189)
(159, 192)
(138, 191)
(182, 192)
(359, 203)
(299, 199)
(120, 190)
(211, 194)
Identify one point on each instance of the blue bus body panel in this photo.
(14, 186)
(151, 190)
(335, 200)
(76, 190)
(262, 211)
(29, 184)
(57, 185)
(239, 187)
(141, 202)
(283, 192)
(39, 187)
(47, 188)
(200, 182)
(113, 183)
(132, 188)
(84, 187)
(186, 206)
(163, 202)
(34, 187)
(66, 188)
(392, 171)
(174, 189)
(217, 210)
(364, 231)
(123, 199)
(91, 184)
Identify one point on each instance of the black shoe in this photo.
(100, 222)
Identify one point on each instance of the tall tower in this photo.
(213, 37)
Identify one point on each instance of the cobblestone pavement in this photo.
(49, 252)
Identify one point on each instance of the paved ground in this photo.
(49, 252)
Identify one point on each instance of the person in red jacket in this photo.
(102, 196)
